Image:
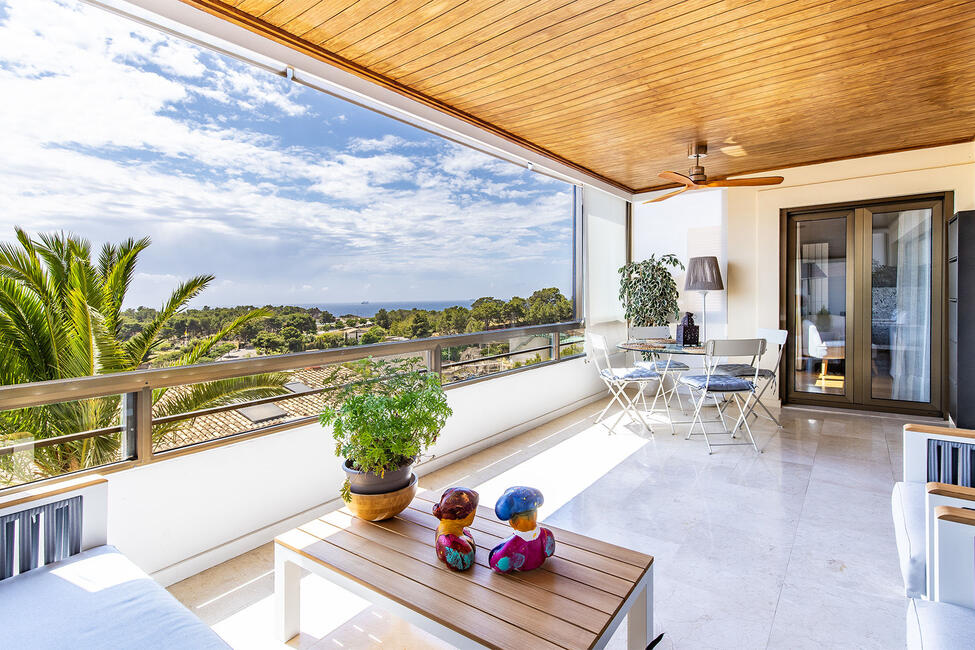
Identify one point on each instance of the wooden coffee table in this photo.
(576, 600)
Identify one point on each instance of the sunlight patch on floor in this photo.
(566, 469)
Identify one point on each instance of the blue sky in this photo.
(284, 193)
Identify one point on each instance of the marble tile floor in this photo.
(791, 548)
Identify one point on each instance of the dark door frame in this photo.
(938, 258)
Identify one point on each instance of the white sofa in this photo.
(69, 589)
(934, 526)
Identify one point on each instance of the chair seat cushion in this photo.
(907, 503)
(717, 383)
(939, 625)
(742, 370)
(629, 374)
(661, 366)
(97, 599)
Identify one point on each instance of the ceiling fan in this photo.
(697, 180)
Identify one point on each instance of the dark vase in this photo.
(371, 483)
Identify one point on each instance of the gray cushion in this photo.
(630, 374)
(717, 383)
(660, 366)
(907, 504)
(742, 370)
(99, 600)
(939, 626)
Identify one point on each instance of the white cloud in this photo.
(96, 140)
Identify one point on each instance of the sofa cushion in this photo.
(907, 505)
(96, 599)
(934, 626)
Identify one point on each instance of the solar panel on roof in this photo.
(262, 412)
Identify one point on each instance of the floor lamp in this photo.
(703, 274)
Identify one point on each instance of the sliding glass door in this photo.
(864, 300)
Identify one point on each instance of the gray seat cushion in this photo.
(939, 626)
(629, 374)
(742, 370)
(717, 383)
(662, 365)
(99, 600)
(907, 507)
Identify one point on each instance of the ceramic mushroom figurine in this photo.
(455, 544)
(531, 544)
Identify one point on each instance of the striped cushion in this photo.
(661, 366)
(629, 374)
(717, 383)
(742, 370)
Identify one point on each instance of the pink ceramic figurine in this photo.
(455, 544)
(531, 544)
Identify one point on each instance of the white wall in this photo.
(177, 517)
(605, 223)
(693, 224)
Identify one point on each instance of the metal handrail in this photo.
(452, 364)
(6, 450)
(65, 390)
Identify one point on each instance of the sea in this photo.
(369, 309)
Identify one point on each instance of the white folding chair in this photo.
(711, 383)
(668, 368)
(617, 380)
(768, 376)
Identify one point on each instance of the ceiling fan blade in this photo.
(745, 182)
(674, 177)
(670, 194)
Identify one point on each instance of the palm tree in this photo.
(61, 317)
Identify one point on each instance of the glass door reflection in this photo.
(820, 326)
(901, 284)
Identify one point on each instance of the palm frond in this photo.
(140, 345)
(116, 268)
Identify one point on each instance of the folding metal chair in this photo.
(617, 380)
(768, 376)
(668, 368)
(711, 383)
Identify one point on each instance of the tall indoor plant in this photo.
(382, 420)
(649, 292)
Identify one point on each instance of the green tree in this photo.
(61, 317)
(293, 338)
(548, 306)
(301, 322)
(382, 319)
(516, 310)
(489, 310)
(420, 327)
(375, 335)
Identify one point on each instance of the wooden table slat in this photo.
(485, 522)
(561, 585)
(570, 611)
(453, 588)
(464, 618)
(629, 556)
(579, 572)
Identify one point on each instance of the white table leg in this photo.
(287, 595)
(639, 620)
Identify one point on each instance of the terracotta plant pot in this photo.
(375, 507)
(370, 483)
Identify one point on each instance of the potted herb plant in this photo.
(382, 420)
(649, 292)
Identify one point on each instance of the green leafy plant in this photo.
(648, 290)
(387, 416)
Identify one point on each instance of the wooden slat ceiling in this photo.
(621, 88)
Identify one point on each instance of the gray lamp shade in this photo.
(703, 274)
